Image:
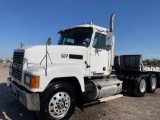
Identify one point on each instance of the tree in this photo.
(153, 62)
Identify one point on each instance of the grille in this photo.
(17, 65)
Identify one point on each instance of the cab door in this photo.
(100, 57)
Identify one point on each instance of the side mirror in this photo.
(109, 41)
(49, 41)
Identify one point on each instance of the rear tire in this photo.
(58, 102)
(141, 87)
(152, 83)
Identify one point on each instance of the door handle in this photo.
(97, 50)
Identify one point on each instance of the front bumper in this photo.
(28, 99)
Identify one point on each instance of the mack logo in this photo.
(64, 55)
(16, 66)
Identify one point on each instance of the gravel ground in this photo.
(125, 108)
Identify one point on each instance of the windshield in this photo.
(77, 36)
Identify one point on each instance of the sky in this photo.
(32, 22)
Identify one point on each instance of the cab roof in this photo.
(85, 25)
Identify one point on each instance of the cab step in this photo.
(110, 98)
(102, 100)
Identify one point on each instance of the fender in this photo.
(66, 70)
(57, 70)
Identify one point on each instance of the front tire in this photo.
(58, 102)
(141, 87)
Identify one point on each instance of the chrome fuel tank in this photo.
(99, 88)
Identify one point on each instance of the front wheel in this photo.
(58, 102)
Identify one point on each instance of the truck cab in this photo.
(96, 57)
(53, 79)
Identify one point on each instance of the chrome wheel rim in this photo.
(153, 80)
(143, 85)
(59, 105)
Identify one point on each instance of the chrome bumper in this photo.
(29, 100)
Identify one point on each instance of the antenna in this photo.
(22, 45)
(48, 42)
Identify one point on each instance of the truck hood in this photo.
(34, 55)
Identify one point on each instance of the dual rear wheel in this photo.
(152, 83)
(144, 85)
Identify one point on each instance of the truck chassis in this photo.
(137, 78)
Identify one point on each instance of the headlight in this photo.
(32, 81)
(27, 79)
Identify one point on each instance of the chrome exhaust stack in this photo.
(112, 22)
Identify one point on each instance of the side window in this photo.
(99, 41)
(94, 43)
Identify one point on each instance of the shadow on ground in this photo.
(11, 108)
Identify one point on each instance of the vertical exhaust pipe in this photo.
(111, 31)
(112, 22)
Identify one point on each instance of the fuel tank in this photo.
(99, 88)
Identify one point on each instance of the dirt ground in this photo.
(125, 108)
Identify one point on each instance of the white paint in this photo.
(65, 66)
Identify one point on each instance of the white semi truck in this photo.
(82, 67)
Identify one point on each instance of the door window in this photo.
(99, 41)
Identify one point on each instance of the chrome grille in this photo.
(17, 65)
